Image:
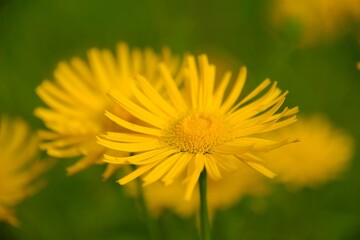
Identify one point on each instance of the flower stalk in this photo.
(204, 216)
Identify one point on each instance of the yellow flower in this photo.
(77, 100)
(319, 19)
(195, 128)
(322, 153)
(19, 166)
(221, 194)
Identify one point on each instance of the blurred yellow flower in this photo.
(318, 19)
(322, 153)
(195, 128)
(19, 166)
(221, 194)
(77, 101)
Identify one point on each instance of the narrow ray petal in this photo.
(212, 168)
(155, 96)
(127, 137)
(195, 172)
(256, 91)
(135, 109)
(129, 147)
(134, 158)
(148, 103)
(174, 93)
(220, 91)
(235, 91)
(138, 172)
(161, 156)
(132, 126)
(97, 65)
(159, 171)
(83, 163)
(193, 81)
(256, 163)
(227, 162)
(64, 153)
(177, 169)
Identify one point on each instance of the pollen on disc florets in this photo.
(197, 132)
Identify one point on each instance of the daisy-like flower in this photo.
(322, 153)
(318, 19)
(186, 131)
(76, 101)
(19, 166)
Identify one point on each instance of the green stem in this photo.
(204, 216)
(150, 224)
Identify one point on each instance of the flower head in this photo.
(76, 101)
(19, 166)
(322, 153)
(184, 131)
(318, 19)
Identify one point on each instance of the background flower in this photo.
(317, 20)
(19, 166)
(322, 153)
(77, 100)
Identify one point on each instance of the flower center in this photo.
(197, 133)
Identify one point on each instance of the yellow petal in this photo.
(127, 137)
(174, 93)
(155, 96)
(235, 91)
(83, 163)
(193, 81)
(134, 158)
(220, 91)
(159, 171)
(212, 168)
(138, 172)
(129, 147)
(132, 126)
(194, 170)
(178, 168)
(256, 164)
(135, 109)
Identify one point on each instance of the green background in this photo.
(35, 35)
